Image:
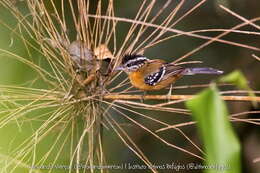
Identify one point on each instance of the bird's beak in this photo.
(119, 68)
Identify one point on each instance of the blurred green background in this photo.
(217, 55)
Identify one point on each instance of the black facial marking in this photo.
(154, 78)
(129, 57)
(137, 63)
(133, 62)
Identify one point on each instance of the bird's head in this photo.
(132, 62)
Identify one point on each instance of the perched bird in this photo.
(148, 75)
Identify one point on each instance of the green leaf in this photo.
(220, 142)
(238, 79)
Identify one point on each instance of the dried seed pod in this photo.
(81, 56)
(102, 52)
(105, 58)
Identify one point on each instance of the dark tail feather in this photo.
(192, 71)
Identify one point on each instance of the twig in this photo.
(175, 126)
(256, 160)
(256, 57)
(175, 97)
(214, 39)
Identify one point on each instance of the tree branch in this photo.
(174, 97)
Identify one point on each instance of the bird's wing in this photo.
(158, 70)
(153, 71)
(155, 77)
(172, 70)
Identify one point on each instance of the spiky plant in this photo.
(74, 97)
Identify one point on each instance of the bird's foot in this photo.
(143, 97)
(169, 94)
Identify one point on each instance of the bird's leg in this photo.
(169, 94)
(142, 96)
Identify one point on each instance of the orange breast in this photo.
(137, 81)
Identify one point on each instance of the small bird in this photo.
(156, 74)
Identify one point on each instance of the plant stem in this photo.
(175, 97)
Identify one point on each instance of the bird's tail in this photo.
(205, 70)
